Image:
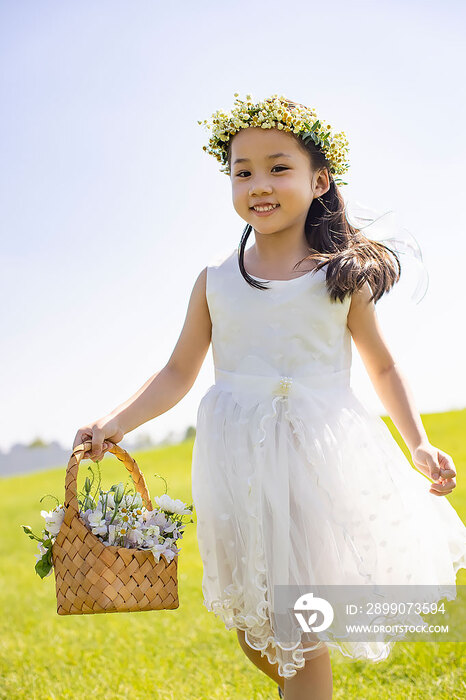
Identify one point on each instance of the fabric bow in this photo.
(255, 380)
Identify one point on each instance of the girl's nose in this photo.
(260, 188)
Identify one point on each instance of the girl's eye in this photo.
(282, 167)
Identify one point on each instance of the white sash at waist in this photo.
(257, 380)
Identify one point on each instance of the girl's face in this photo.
(268, 166)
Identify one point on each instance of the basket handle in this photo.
(71, 497)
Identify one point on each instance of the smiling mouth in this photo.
(265, 209)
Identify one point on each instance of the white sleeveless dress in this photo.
(294, 480)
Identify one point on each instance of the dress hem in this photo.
(224, 609)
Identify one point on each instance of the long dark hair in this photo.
(351, 258)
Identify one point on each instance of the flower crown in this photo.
(280, 113)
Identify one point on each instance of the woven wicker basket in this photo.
(91, 577)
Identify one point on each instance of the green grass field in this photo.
(185, 653)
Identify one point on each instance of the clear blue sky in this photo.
(109, 207)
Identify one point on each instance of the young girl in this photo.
(295, 482)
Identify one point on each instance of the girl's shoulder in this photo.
(220, 273)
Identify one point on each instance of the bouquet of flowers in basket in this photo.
(117, 517)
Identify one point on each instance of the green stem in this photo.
(51, 496)
(114, 514)
(105, 506)
(34, 537)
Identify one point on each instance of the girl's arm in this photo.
(167, 386)
(393, 389)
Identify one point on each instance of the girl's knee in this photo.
(314, 653)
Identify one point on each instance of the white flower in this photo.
(171, 506)
(156, 518)
(110, 499)
(157, 550)
(135, 536)
(53, 519)
(153, 531)
(100, 530)
(151, 535)
(97, 523)
(95, 518)
(169, 554)
(162, 521)
(111, 534)
(42, 552)
(132, 501)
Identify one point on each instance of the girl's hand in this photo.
(437, 465)
(107, 427)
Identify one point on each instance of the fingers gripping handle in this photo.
(71, 497)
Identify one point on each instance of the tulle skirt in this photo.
(309, 487)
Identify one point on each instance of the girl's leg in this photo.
(312, 682)
(261, 662)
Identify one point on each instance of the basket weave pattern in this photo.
(91, 577)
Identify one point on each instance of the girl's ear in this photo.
(322, 182)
